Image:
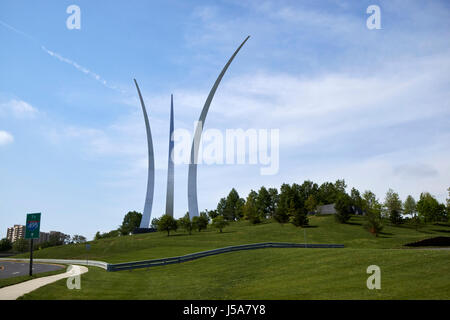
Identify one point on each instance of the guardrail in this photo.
(197, 255)
(100, 264)
(185, 258)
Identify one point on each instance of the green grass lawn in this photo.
(264, 273)
(322, 229)
(272, 274)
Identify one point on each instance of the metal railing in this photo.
(197, 255)
(100, 264)
(179, 259)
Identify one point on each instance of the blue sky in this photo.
(369, 106)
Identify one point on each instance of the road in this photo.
(10, 269)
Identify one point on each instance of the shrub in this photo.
(343, 208)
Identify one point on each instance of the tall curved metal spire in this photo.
(170, 166)
(145, 222)
(192, 176)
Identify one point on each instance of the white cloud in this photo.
(18, 108)
(5, 138)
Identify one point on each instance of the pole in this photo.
(31, 257)
(304, 231)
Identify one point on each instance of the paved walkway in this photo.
(15, 291)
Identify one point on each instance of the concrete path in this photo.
(15, 291)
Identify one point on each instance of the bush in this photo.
(21, 245)
(373, 223)
(5, 245)
(219, 223)
(186, 223)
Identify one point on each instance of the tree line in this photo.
(294, 203)
(23, 245)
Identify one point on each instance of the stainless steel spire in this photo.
(170, 166)
(145, 222)
(192, 175)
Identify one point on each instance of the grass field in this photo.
(322, 229)
(264, 273)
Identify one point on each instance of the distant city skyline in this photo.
(366, 105)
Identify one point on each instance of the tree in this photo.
(251, 208)
(327, 193)
(212, 213)
(5, 245)
(55, 240)
(372, 208)
(357, 200)
(234, 204)
(205, 216)
(340, 186)
(110, 234)
(410, 206)
(429, 209)
(373, 222)
(200, 223)
(221, 207)
(186, 223)
(78, 239)
(219, 222)
(297, 215)
(448, 203)
(154, 223)
(311, 203)
(131, 221)
(21, 245)
(284, 200)
(274, 197)
(263, 203)
(370, 201)
(343, 206)
(167, 223)
(393, 206)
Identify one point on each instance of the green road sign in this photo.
(33, 225)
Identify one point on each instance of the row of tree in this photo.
(23, 245)
(168, 223)
(293, 203)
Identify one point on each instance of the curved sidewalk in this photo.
(17, 290)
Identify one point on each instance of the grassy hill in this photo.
(322, 229)
(264, 273)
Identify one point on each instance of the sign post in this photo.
(88, 247)
(32, 229)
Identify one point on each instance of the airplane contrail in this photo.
(63, 59)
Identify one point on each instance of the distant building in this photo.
(18, 232)
(326, 209)
(330, 209)
(43, 237)
(15, 233)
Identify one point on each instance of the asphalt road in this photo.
(10, 269)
